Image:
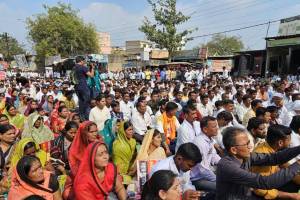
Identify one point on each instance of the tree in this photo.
(164, 31)
(61, 31)
(9, 46)
(221, 45)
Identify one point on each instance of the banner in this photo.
(52, 60)
(21, 60)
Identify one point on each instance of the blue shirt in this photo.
(81, 75)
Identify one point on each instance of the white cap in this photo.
(277, 94)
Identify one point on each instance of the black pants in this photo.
(84, 103)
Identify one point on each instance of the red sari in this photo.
(92, 187)
(76, 152)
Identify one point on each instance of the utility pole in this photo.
(7, 45)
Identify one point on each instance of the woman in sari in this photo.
(60, 145)
(31, 108)
(86, 134)
(58, 123)
(27, 147)
(14, 117)
(36, 130)
(124, 151)
(151, 147)
(7, 144)
(14, 98)
(150, 150)
(29, 179)
(109, 133)
(100, 177)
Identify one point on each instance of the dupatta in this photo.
(79, 146)
(123, 153)
(39, 135)
(169, 125)
(19, 189)
(19, 152)
(92, 187)
(157, 154)
(17, 121)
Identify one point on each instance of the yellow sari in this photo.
(18, 120)
(157, 154)
(19, 152)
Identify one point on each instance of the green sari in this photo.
(39, 135)
(123, 155)
(18, 120)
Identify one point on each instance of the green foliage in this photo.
(61, 31)
(9, 46)
(164, 31)
(221, 45)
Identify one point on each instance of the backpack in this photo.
(73, 77)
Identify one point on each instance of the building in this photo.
(283, 51)
(251, 62)
(141, 53)
(104, 43)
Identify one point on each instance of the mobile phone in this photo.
(57, 162)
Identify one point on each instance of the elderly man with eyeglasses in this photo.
(234, 179)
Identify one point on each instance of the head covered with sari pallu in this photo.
(123, 152)
(41, 134)
(16, 120)
(19, 152)
(92, 187)
(79, 145)
(22, 186)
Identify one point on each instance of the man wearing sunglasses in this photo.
(234, 179)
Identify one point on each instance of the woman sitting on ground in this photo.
(124, 151)
(29, 179)
(100, 177)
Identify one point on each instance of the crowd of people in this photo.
(211, 136)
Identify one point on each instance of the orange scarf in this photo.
(20, 190)
(169, 125)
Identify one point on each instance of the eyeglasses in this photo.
(248, 144)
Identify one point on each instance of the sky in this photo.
(121, 18)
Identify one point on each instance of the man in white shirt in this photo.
(126, 106)
(224, 119)
(141, 121)
(284, 114)
(100, 113)
(190, 128)
(204, 107)
(242, 109)
(203, 176)
(225, 73)
(187, 156)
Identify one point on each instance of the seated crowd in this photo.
(225, 139)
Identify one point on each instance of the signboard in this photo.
(49, 72)
(283, 42)
(101, 58)
(289, 26)
(195, 54)
(217, 65)
(21, 60)
(52, 60)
